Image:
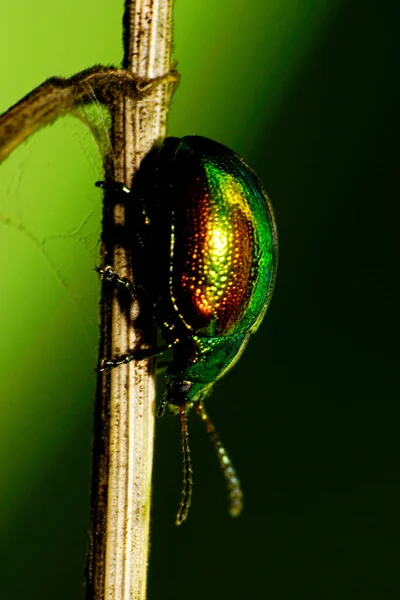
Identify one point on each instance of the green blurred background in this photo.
(307, 91)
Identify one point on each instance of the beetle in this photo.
(204, 230)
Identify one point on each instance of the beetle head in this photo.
(180, 395)
(181, 391)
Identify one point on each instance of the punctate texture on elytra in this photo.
(223, 243)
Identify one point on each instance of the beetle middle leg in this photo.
(140, 354)
(108, 274)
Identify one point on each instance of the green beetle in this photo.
(209, 244)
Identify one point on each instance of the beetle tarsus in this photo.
(110, 276)
(113, 186)
(105, 366)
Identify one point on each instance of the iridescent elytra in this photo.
(204, 230)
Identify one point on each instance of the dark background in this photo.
(310, 413)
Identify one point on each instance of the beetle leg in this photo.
(113, 186)
(108, 274)
(140, 354)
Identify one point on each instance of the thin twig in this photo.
(124, 422)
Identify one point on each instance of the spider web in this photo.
(50, 215)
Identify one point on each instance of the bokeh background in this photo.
(308, 92)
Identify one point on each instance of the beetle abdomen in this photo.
(223, 253)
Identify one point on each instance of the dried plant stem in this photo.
(124, 422)
(138, 97)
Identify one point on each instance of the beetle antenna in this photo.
(233, 483)
(187, 470)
